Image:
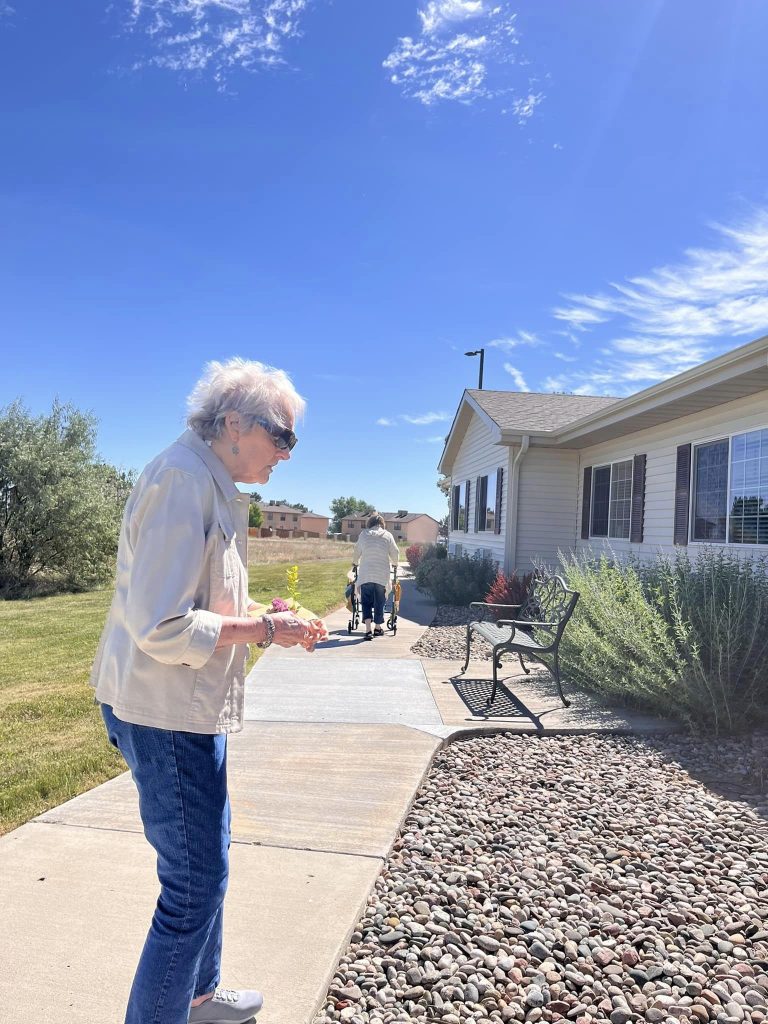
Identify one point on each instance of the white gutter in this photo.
(513, 505)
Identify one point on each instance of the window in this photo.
(730, 489)
(295, 519)
(485, 503)
(748, 518)
(490, 502)
(710, 491)
(282, 518)
(455, 507)
(612, 500)
(621, 499)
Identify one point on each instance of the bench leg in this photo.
(496, 667)
(556, 674)
(466, 660)
(522, 665)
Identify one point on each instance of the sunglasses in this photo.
(282, 437)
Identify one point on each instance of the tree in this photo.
(444, 485)
(255, 518)
(60, 507)
(343, 507)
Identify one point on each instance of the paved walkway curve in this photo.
(335, 746)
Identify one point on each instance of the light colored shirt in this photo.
(374, 551)
(181, 566)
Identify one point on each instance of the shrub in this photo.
(511, 590)
(680, 636)
(716, 608)
(456, 581)
(414, 554)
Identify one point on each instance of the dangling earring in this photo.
(235, 450)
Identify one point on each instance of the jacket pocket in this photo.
(229, 578)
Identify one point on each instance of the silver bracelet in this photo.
(269, 625)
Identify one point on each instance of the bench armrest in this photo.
(527, 623)
(486, 604)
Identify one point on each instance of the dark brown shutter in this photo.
(499, 492)
(466, 506)
(478, 486)
(638, 500)
(682, 493)
(586, 502)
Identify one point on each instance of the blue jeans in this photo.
(372, 600)
(182, 782)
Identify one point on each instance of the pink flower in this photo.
(279, 605)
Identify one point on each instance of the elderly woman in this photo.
(374, 552)
(170, 671)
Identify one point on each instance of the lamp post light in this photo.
(478, 352)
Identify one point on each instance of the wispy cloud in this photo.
(517, 377)
(216, 36)
(464, 52)
(579, 318)
(419, 419)
(435, 439)
(427, 417)
(521, 338)
(676, 315)
(6, 10)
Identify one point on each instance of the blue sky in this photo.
(358, 191)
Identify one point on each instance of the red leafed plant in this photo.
(508, 590)
(414, 554)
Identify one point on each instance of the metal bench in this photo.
(534, 630)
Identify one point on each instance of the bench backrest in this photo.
(549, 600)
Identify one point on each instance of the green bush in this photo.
(680, 636)
(716, 608)
(616, 643)
(455, 581)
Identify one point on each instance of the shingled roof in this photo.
(530, 411)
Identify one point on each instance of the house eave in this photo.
(737, 374)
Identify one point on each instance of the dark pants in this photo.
(372, 600)
(182, 782)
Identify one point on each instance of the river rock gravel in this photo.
(446, 636)
(581, 878)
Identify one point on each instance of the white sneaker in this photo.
(227, 1006)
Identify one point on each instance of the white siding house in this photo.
(681, 464)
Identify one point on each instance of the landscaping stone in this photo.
(581, 878)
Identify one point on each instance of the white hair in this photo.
(244, 386)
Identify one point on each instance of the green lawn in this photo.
(52, 743)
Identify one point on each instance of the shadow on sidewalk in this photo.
(475, 693)
(415, 607)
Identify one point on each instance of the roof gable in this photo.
(516, 412)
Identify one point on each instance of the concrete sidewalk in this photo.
(334, 748)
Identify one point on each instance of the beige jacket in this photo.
(181, 565)
(374, 551)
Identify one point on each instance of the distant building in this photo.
(286, 521)
(413, 527)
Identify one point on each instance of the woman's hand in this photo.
(291, 631)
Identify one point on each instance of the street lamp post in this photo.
(478, 352)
